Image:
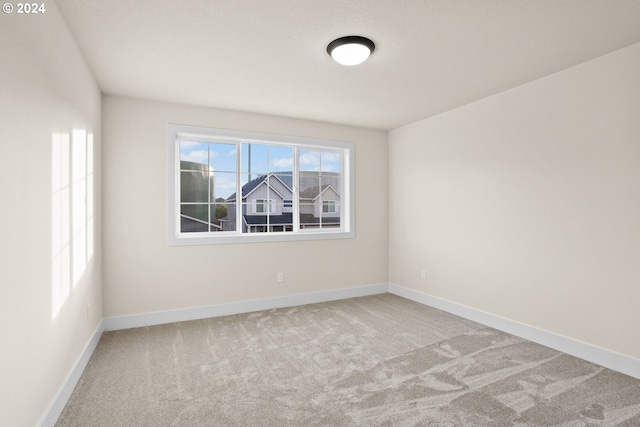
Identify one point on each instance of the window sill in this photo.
(192, 239)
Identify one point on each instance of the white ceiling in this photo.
(269, 56)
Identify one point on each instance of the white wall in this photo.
(142, 274)
(527, 204)
(45, 89)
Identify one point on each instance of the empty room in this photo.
(332, 213)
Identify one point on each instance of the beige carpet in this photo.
(372, 361)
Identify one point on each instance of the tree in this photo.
(221, 211)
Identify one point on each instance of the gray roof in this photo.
(314, 192)
(285, 177)
(284, 219)
(287, 219)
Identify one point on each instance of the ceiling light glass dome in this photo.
(350, 50)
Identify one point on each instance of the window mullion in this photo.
(239, 195)
(295, 190)
(177, 180)
(268, 201)
(345, 192)
(209, 201)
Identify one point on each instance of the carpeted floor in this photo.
(371, 361)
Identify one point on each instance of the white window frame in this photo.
(347, 212)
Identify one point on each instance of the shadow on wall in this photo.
(71, 213)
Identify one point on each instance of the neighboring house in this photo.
(320, 202)
(267, 204)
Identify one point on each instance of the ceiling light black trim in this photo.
(351, 39)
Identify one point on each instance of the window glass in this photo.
(226, 186)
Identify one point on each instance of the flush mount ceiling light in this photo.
(350, 50)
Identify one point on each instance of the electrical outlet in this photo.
(280, 277)
(423, 274)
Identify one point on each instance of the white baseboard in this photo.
(194, 313)
(54, 410)
(607, 358)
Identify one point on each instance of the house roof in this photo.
(250, 186)
(310, 219)
(287, 219)
(286, 178)
(314, 192)
(284, 219)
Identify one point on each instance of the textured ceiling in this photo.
(268, 56)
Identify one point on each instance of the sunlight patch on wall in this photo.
(89, 197)
(72, 213)
(79, 203)
(60, 222)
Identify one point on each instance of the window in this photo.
(263, 206)
(329, 206)
(231, 186)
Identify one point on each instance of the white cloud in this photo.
(188, 145)
(283, 163)
(198, 156)
(224, 182)
(322, 161)
(310, 158)
(330, 157)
